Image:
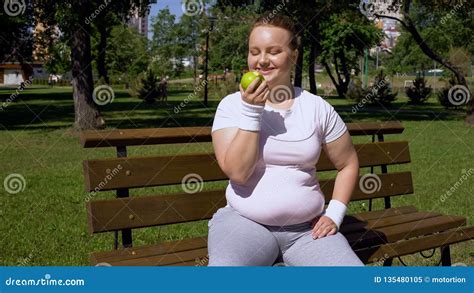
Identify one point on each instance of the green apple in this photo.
(249, 77)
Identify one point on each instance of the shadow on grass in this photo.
(122, 113)
(39, 109)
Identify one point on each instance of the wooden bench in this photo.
(375, 235)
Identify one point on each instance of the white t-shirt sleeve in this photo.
(227, 113)
(332, 125)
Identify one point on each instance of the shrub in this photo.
(445, 100)
(419, 92)
(355, 91)
(381, 91)
(149, 90)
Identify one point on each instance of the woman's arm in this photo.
(237, 149)
(342, 154)
(237, 152)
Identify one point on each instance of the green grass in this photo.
(46, 223)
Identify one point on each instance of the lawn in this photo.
(45, 224)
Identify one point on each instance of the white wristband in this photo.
(336, 211)
(250, 116)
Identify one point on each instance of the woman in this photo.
(268, 139)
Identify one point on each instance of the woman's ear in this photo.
(294, 55)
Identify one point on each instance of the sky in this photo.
(174, 6)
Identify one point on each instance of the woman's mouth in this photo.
(265, 71)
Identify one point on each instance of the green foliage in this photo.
(16, 37)
(379, 93)
(443, 94)
(381, 90)
(149, 90)
(128, 53)
(419, 92)
(58, 60)
(347, 32)
(228, 39)
(355, 90)
(440, 28)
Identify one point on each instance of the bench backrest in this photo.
(123, 174)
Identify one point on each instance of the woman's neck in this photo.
(281, 94)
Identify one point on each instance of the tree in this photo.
(343, 40)
(435, 7)
(16, 37)
(164, 41)
(128, 53)
(112, 13)
(228, 40)
(73, 18)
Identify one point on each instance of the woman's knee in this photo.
(331, 250)
(237, 241)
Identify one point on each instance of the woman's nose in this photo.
(263, 60)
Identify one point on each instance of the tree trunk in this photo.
(102, 49)
(299, 66)
(87, 115)
(312, 77)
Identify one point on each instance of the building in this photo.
(140, 23)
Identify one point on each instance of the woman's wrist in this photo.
(250, 117)
(336, 211)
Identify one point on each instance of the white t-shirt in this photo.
(283, 190)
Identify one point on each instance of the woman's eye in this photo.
(254, 53)
(274, 52)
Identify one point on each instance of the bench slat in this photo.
(166, 259)
(149, 250)
(391, 250)
(146, 211)
(115, 173)
(193, 251)
(386, 221)
(138, 212)
(152, 136)
(404, 231)
(371, 215)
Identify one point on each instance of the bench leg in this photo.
(445, 256)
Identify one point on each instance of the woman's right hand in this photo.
(255, 95)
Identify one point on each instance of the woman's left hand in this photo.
(323, 226)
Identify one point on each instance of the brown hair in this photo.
(281, 21)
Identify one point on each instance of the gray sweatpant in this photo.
(237, 241)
